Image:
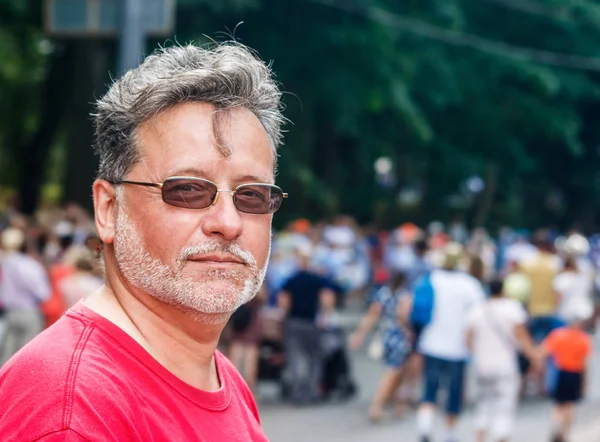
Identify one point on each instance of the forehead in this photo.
(195, 137)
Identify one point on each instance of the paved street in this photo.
(347, 421)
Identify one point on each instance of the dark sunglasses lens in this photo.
(257, 199)
(188, 193)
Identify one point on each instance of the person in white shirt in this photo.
(572, 287)
(443, 341)
(496, 331)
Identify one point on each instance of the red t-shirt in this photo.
(85, 379)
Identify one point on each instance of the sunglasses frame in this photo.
(215, 198)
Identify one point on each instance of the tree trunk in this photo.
(32, 157)
(487, 198)
(91, 64)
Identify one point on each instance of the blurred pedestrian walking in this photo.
(443, 341)
(391, 335)
(304, 296)
(24, 285)
(569, 348)
(497, 329)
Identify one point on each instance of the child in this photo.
(569, 348)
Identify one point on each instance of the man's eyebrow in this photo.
(249, 178)
(253, 179)
(189, 171)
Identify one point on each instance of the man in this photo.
(443, 341)
(183, 205)
(23, 287)
(496, 331)
(304, 297)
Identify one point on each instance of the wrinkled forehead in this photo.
(181, 133)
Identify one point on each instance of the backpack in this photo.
(241, 318)
(423, 298)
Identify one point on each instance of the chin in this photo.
(220, 297)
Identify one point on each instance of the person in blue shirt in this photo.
(304, 296)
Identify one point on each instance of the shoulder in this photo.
(514, 309)
(585, 339)
(469, 285)
(59, 381)
(511, 304)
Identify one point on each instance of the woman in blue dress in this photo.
(391, 341)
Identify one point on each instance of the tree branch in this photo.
(471, 41)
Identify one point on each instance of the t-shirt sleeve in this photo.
(519, 315)
(329, 283)
(287, 285)
(478, 294)
(472, 317)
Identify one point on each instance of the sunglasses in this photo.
(198, 193)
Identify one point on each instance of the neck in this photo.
(176, 339)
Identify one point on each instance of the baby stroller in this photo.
(271, 355)
(337, 380)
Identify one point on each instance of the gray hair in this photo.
(227, 76)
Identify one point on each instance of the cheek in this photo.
(256, 238)
(164, 235)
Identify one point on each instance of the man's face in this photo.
(208, 260)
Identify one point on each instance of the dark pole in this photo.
(132, 35)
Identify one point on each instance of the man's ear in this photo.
(104, 210)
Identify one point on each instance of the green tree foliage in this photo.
(504, 90)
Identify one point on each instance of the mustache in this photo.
(215, 246)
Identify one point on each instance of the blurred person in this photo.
(414, 364)
(497, 329)
(281, 267)
(520, 249)
(569, 348)
(571, 287)
(443, 341)
(504, 240)
(385, 312)
(184, 200)
(337, 379)
(245, 338)
(483, 251)
(303, 297)
(458, 231)
(541, 269)
(421, 265)
(342, 256)
(83, 282)
(399, 255)
(476, 268)
(61, 267)
(516, 284)
(23, 286)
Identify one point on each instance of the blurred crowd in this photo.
(47, 264)
(518, 305)
(418, 284)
